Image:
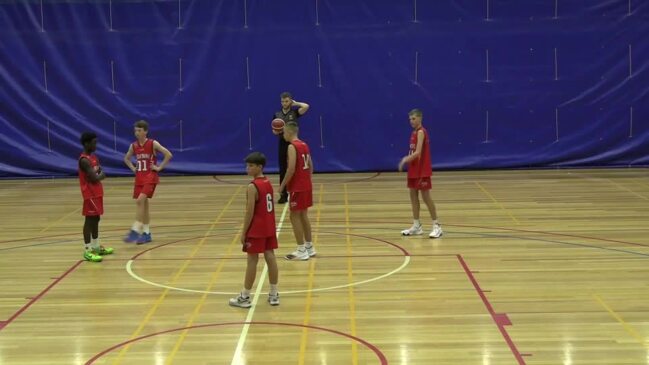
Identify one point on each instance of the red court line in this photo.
(4, 324)
(501, 319)
(381, 357)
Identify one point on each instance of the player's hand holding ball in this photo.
(278, 126)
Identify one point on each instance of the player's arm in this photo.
(251, 198)
(127, 158)
(157, 147)
(417, 153)
(302, 107)
(310, 164)
(290, 169)
(92, 175)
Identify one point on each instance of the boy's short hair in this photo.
(416, 113)
(87, 137)
(292, 126)
(142, 124)
(256, 158)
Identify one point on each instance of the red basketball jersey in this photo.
(90, 189)
(263, 219)
(421, 166)
(301, 180)
(145, 156)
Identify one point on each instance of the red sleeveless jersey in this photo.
(145, 156)
(421, 166)
(263, 219)
(301, 180)
(90, 189)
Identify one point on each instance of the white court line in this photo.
(236, 359)
(129, 269)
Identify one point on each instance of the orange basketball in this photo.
(277, 124)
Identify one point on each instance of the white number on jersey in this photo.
(141, 165)
(269, 203)
(306, 158)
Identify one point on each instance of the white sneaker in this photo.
(310, 251)
(241, 302)
(297, 255)
(415, 230)
(436, 232)
(273, 299)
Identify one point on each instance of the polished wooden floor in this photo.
(535, 267)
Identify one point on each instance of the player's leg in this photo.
(96, 244)
(415, 229)
(135, 234)
(243, 299)
(298, 231)
(273, 276)
(88, 253)
(146, 221)
(308, 241)
(437, 228)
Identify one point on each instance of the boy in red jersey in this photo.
(298, 183)
(419, 173)
(90, 176)
(259, 234)
(146, 179)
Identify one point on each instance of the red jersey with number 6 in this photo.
(145, 155)
(301, 180)
(263, 219)
(90, 189)
(421, 166)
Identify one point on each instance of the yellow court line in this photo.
(162, 296)
(624, 188)
(350, 277)
(640, 182)
(59, 220)
(201, 302)
(627, 327)
(493, 199)
(307, 308)
(66, 216)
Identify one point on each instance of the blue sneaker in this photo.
(132, 237)
(144, 238)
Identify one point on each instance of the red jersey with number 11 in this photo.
(145, 156)
(263, 219)
(301, 180)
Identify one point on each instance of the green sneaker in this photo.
(104, 251)
(91, 256)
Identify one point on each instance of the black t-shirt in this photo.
(291, 116)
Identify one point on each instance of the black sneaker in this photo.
(283, 199)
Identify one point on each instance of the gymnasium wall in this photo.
(503, 83)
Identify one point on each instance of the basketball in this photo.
(277, 124)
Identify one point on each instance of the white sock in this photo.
(416, 222)
(308, 245)
(435, 222)
(273, 289)
(146, 228)
(87, 246)
(301, 248)
(245, 293)
(94, 243)
(137, 227)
